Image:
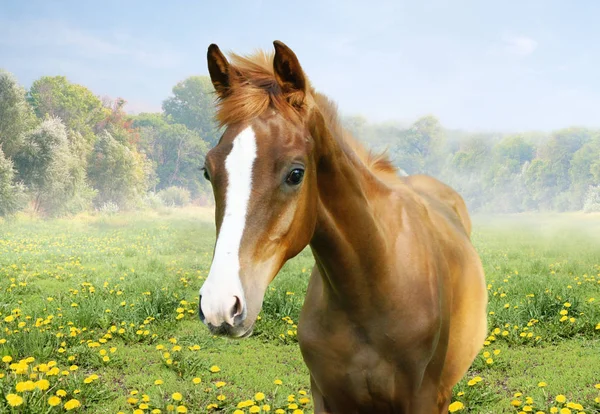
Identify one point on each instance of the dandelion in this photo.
(72, 404)
(279, 382)
(14, 400)
(182, 409)
(561, 398)
(177, 396)
(53, 401)
(196, 380)
(220, 384)
(456, 406)
(259, 396)
(214, 369)
(542, 384)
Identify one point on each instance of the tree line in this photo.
(64, 150)
(497, 173)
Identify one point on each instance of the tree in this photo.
(117, 172)
(585, 170)
(11, 194)
(420, 149)
(78, 108)
(16, 116)
(193, 105)
(45, 165)
(176, 151)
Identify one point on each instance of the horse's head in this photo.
(263, 175)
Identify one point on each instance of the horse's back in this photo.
(444, 197)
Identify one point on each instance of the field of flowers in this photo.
(98, 314)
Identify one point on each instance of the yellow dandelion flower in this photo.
(182, 409)
(279, 382)
(72, 404)
(61, 393)
(259, 396)
(196, 380)
(159, 382)
(220, 384)
(542, 384)
(177, 396)
(254, 409)
(7, 358)
(456, 406)
(214, 369)
(14, 400)
(561, 398)
(53, 401)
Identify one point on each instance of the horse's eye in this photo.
(295, 176)
(205, 172)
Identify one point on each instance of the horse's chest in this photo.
(348, 370)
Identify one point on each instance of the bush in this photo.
(175, 196)
(11, 194)
(591, 203)
(153, 200)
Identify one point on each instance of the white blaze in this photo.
(223, 283)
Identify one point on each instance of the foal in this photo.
(395, 309)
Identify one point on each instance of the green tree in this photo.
(45, 165)
(16, 116)
(78, 108)
(420, 149)
(193, 105)
(176, 151)
(117, 172)
(11, 194)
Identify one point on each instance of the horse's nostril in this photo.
(237, 308)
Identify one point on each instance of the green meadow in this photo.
(98, 314)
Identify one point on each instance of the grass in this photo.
(104, 309)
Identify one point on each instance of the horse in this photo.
(395, 309)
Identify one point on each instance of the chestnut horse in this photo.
(395, 311)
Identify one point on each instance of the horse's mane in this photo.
(254, 89)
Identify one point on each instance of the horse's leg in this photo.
(444, 399)
(318, 400)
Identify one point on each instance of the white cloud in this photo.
(519, 45)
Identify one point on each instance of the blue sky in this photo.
(477, 65)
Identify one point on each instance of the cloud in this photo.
(519, 45)
(98, 45)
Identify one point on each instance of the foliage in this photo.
(117, 172)
(591, 201)
(11, 194)
(175, 196)
(16, 116)
(78, 108)
(193, 105)
(176, 151)
(46, 166)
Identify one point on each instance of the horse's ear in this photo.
(289, 74)
(218, 67)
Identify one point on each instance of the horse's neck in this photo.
(347, 240)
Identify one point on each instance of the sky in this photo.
(507, 65)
